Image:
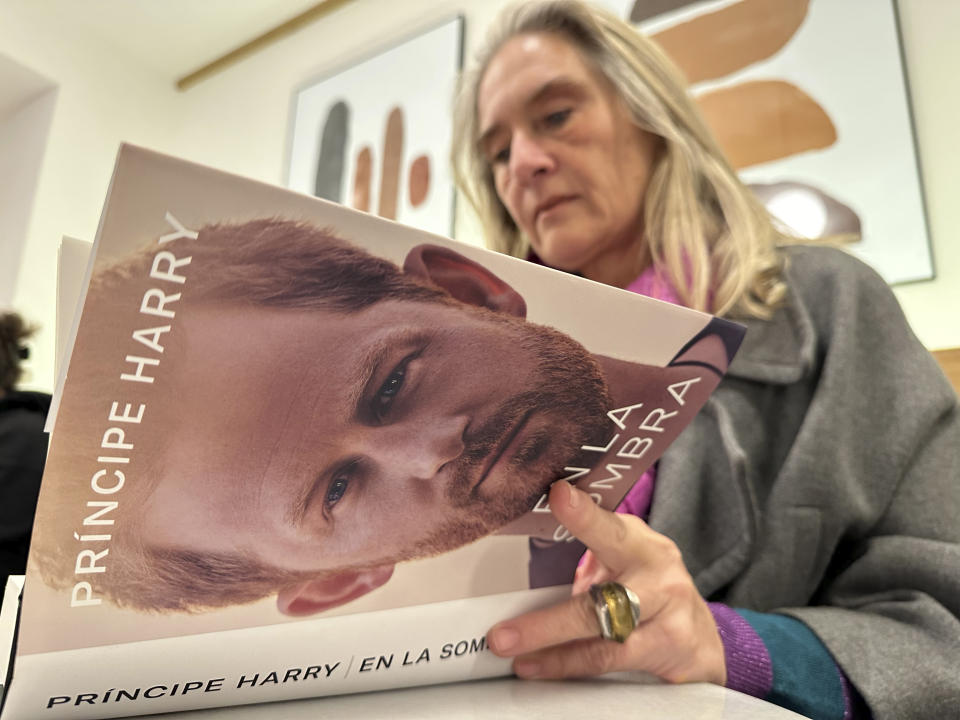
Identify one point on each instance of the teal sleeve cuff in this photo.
(806, 678)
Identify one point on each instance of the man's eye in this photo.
(556, 119)
(389, 390)
(338, 488)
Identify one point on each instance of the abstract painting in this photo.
(376, 136)
(808, 100)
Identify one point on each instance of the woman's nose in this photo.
(528, 158)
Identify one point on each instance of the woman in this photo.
(802, 543)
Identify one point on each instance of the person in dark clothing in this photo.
(23, 448)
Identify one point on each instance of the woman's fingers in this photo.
(573, 619)
(676, 637)
(647, 650)
(620, 542)
(579, 658)
(589, 572)
(621, 548)
(678, 642)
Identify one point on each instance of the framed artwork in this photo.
(808, 99)
(375, 136)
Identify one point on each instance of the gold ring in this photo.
(617, 608)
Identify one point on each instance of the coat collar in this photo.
(703, 499)
(780, 350)
(703, 502)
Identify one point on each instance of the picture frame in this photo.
(375, 135)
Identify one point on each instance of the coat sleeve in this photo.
(887, 429)
(891, 617)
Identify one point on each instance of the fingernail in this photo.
(526, 668)
(503, 640)
(574, 496)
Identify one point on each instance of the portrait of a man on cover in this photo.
(328, 414)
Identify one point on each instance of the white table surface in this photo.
(512, 699)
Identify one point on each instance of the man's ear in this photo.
(314, 596)
(464, 279)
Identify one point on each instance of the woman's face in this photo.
(567, 161)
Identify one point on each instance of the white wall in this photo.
(101, 100)
(932, 58)
(23, 140)
(249, 104)
(237, 121)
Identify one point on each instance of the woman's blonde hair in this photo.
(714, 240)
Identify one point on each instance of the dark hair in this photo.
(265, 262)
(270, 262)
(13, 331)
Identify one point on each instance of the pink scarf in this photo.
(637, 501)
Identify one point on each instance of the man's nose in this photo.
(428, 447)
(528, 157)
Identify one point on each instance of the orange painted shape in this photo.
(362, 178)
(718, 43)
(766, 120)
(392, 158)
(419, 180)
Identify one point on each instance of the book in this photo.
(300, 450)
(72, 264)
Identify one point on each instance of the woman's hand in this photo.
(676, 637)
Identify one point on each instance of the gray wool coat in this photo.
(822, 481)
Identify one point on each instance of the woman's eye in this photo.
(502, 156)
(556, 119)
(338, 488)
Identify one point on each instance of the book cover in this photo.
(301, 450)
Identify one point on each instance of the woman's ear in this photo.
(314, 596)
(465, 280)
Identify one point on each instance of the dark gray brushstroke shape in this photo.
(333, 153)
(645, 9)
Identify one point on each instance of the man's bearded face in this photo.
(316, 439)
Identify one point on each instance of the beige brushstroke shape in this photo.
(392, 158)
(362, 178)
(765, 120)
(719, 43)
(419, 180)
